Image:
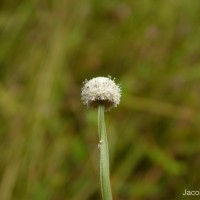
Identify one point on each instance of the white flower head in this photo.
(101, 90)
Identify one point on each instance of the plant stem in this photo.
(104, 156)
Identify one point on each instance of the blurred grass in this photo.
(48, 139)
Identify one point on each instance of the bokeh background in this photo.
(48, 139)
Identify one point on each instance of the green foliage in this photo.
(48, 139)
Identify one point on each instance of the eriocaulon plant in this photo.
(102, 93)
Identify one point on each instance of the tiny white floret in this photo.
(101, 90)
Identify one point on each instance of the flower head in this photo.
(101, 90)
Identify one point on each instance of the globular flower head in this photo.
(101, 90)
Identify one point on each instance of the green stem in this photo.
(104, 156)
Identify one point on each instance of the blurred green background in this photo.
(48, 139)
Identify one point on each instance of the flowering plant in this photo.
(102, 93)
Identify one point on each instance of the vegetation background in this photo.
(48, 139)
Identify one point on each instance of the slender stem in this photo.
(104, 156)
